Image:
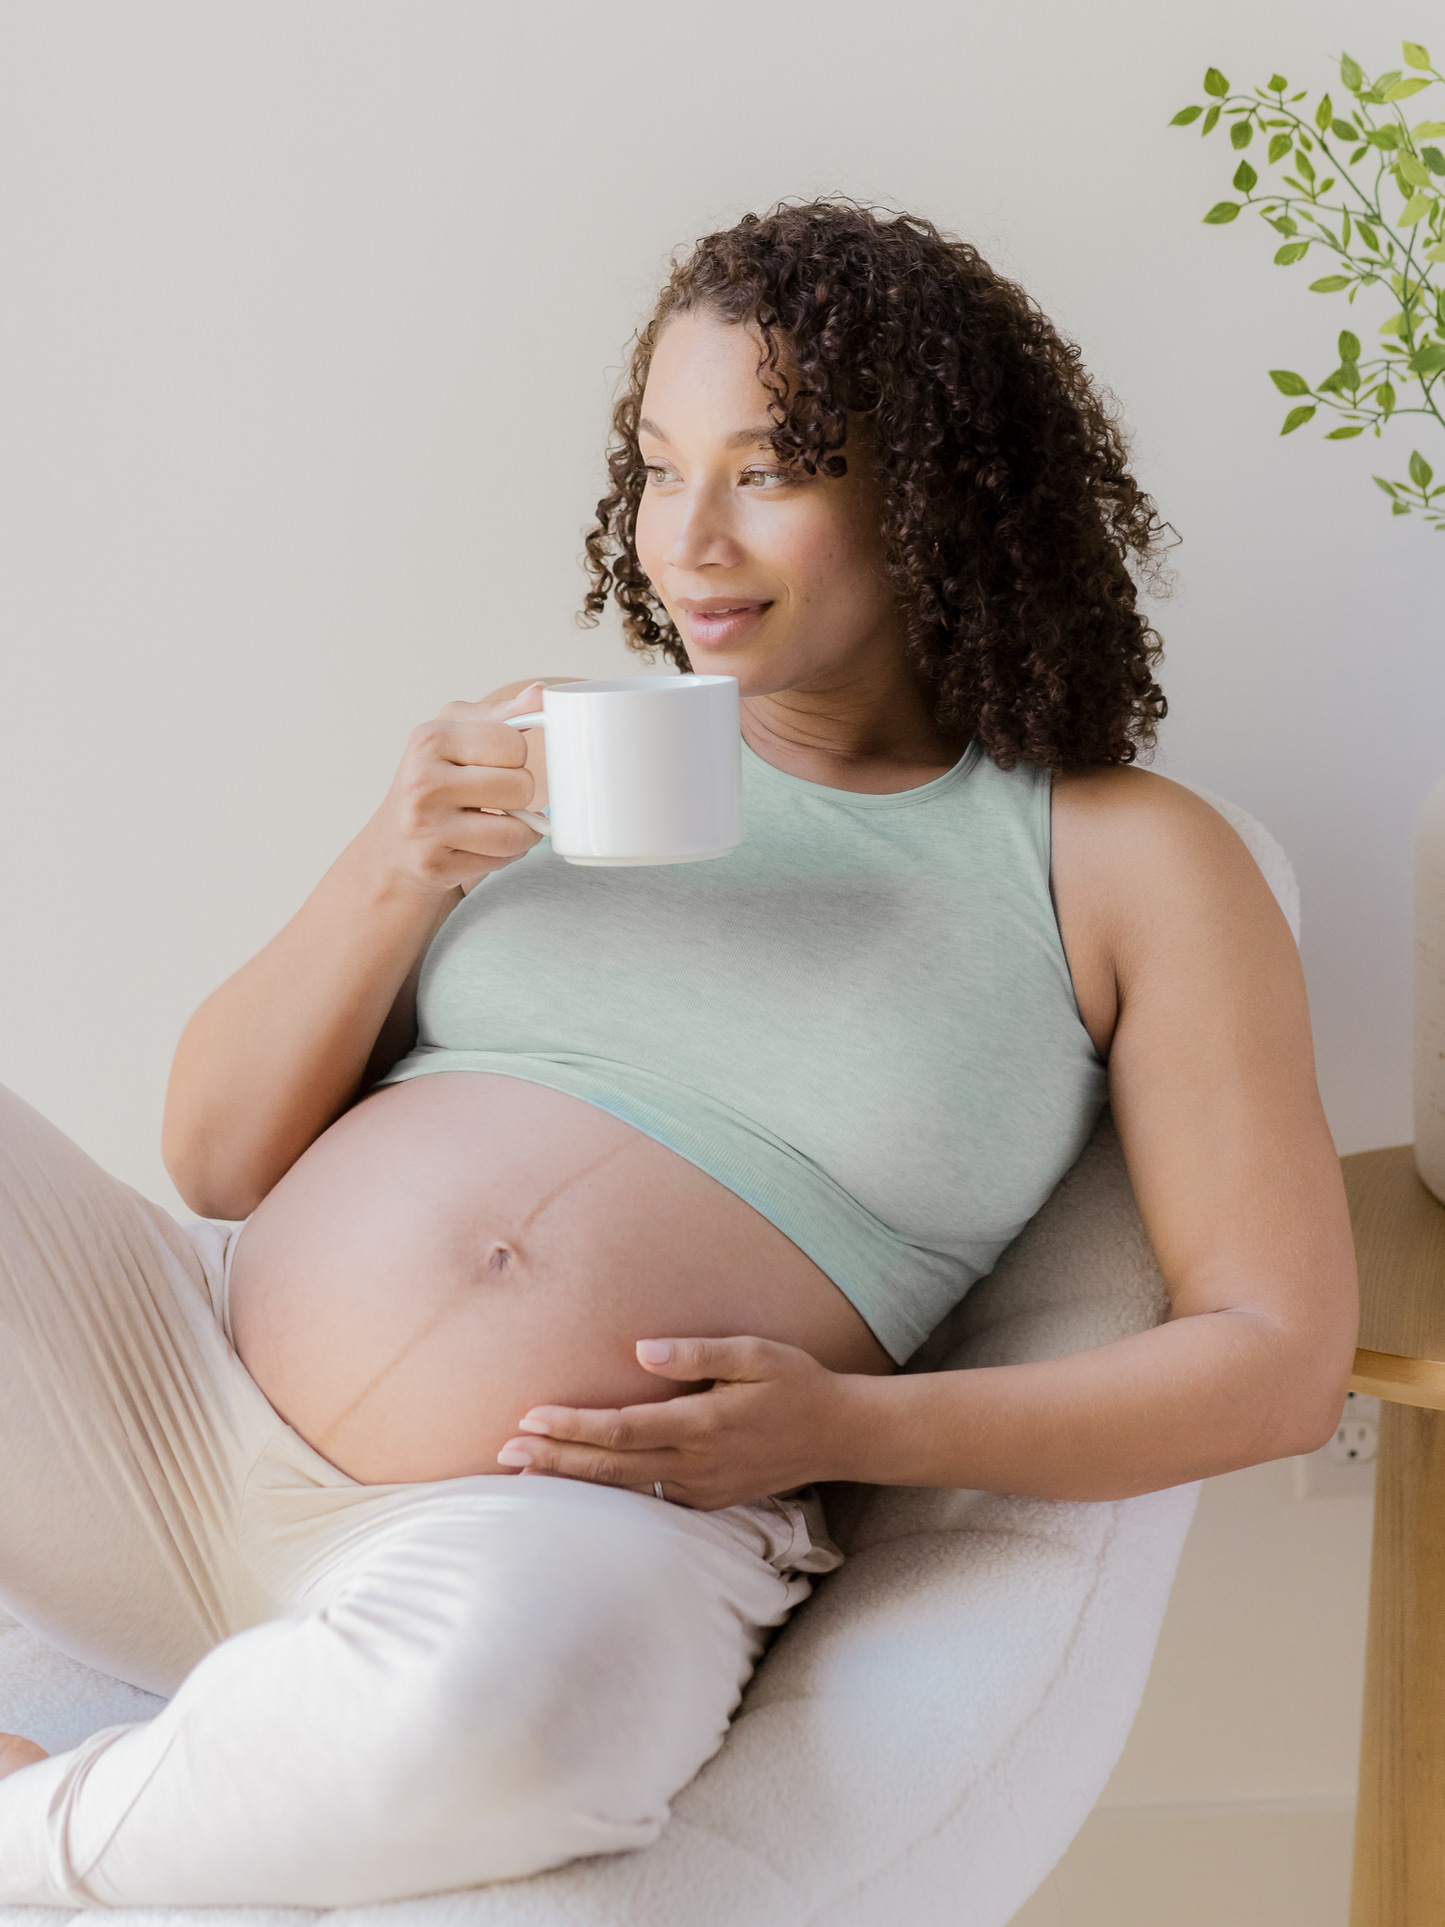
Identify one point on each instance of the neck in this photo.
(873, 731)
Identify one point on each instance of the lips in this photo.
(714, 621)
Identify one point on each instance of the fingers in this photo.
(657, 1427)
(631, 1447)
(469, 740)
(519, 704)
(736, 1360)
(584, 1462)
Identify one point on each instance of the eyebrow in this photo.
(743, 438)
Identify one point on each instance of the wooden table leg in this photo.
(1399, 1876)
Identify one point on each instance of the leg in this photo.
(1399, 1878)
(126, 1424)
(482, 1679)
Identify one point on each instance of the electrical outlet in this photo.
(1344, 1467)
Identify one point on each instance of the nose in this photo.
(702, 536)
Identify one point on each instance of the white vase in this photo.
(1430, 992)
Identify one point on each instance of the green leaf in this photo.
(1385, 397)
(1277, 83)
(1398, 508)
(1304, 164)
(1343, 434)
(1433, 159)
(1286, 224)
(1421, 473)
(1415, 209)
(1342, 131)
(1241, 134)
(1345, 231)
(1403, 89)
(1332, 384)
(1380, 482)
(1358, 156)
(1210, 120)
(1185, 115)
(1296, 418)
(1326, 184)
(1286, 257)
(1245, 178)
(1428, 361)
(1415, 172)
(1215, 83)
(1437, 253)
(1349, 346)
(1289, 383)
(1331, 284)
(1350, 74)
(1349, 373)
(1415, 54)
(1382, 81)
(1279, 146)
(1384, 136)
(1430, 130)
(1367, 235)
(1323, 113)
(1221, 212)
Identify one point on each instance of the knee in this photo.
(551, 1707)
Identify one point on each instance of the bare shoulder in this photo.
(1140, 838)
(1153, 886)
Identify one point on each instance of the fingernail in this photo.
(514, 1455)
(654, 1351)
(534, 1425)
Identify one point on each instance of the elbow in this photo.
(1315, 1427)
(209, 1185)
(1307, 1416)
(210, 1196)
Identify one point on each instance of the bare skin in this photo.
(1186, 976)
(1187, 981)
(1191, 989)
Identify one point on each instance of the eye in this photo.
(764, 478)
(657, 473)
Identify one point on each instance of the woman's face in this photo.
(771, 575)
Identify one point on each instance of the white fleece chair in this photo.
(925, 1738)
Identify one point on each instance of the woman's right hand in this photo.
(437, 830)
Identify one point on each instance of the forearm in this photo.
(1195, 1397)
(279, 1051)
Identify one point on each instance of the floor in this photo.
(1201, 1867)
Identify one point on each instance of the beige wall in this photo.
(310, 318)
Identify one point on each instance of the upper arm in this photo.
(1211, 1065)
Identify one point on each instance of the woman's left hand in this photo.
(769, 1421)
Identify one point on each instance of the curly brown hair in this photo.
(1009, 514)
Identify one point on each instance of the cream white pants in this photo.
(378, 1690)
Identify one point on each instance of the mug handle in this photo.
(534, 819)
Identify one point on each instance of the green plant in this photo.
(1359, 151)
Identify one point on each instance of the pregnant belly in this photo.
(459, 1248)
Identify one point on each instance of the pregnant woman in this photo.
(588, 1213)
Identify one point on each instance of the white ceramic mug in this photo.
(646, 769)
